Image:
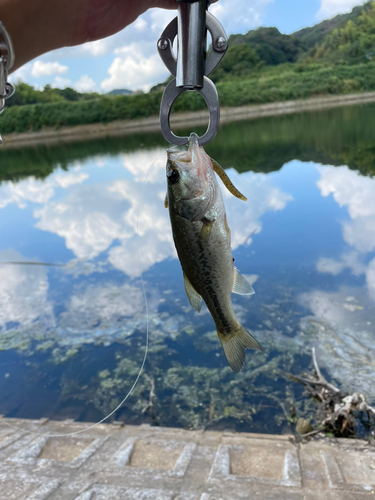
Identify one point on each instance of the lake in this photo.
(73, 320)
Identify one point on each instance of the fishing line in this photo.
(2, 421)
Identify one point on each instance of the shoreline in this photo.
(180, 120)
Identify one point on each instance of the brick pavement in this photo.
(112, 462)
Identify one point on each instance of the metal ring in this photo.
(209, 94)
(165, 45)
(9, 91)
(9, 58)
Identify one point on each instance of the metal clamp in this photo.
(6, 63)
(209, 94)
(191, 67)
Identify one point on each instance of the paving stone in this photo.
(110, 462)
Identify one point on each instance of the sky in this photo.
(130, 60)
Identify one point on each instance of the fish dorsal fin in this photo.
(194, 298)
(226, 181)
(240, 285)
(166, 201)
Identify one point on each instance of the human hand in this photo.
(38, 26)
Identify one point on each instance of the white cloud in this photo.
(140, 24)
(21, 74)
(61, 83)
(23, 291)
(40, 68)
(97, 48)
(240, 16)
(329, 8)
(133, 70)
(159, 19)
(85, 84)
(154, 19)
(357, 192)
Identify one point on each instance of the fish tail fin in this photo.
(234, 345)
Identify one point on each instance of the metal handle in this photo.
(191, 44)
(191, 67)
(6, 63)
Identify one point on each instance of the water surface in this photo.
(72, 334)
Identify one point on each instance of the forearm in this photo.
(37, 26)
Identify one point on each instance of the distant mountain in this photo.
(120, 92)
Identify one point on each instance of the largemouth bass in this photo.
(202, 239)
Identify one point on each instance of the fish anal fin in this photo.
(194, 298)
(226, 181)
(234, 344)
(240, 285)
(166, 201)
(206, 230)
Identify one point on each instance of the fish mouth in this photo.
(187, 155)
(193, 141)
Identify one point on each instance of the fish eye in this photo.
(173, 177)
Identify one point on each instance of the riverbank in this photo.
(180, 120)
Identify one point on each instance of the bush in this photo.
(276, 84)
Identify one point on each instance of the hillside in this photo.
(268, 47)
(350, 42)
(312, 36)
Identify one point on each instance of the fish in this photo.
(203, 242)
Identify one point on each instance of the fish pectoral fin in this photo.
(194, 298)
(166, 201)
(206, 230)
(240, 285)
(226, 181)
(234, 344)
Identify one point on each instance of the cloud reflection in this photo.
(357, 193)
(23, 292)
(95, 217)
(35, 190)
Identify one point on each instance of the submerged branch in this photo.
(338, 409)
(151, 398)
